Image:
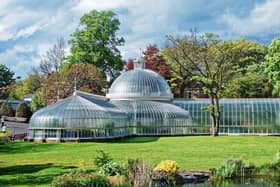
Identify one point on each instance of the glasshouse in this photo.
(140, 103)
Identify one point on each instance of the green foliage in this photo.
(80, 179)
(24, 111)
(95, 42)
(102, 158)
(6, 78)
(111, 168)
(234, 168)
(272, 65)
(250, 82)
(38, 101)
(6, 110)
(170, 167)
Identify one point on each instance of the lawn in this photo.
(26, 163)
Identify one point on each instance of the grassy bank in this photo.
(28, 163)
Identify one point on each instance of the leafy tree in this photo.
(6, 78)
(249, 79)
(88, 78)
(27, 86)
(206, 60)
(272, 65)
(24, 111)
(6, 110)
(154, 61)
(38, 101)
(95, 42)
(253, 83)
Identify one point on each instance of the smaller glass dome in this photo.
(154, 113)
(141, 84)
(79, 111)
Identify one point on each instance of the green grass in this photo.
(27, 163)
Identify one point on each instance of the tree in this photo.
(27, 86)
(95, 42)
(88, 78)
(153, 61)
(6, 109)
(249, 79)
(253, 83)
(272, 65)
(208, 61)
(6, 78)
(38, 101)
(24, 111)
(52, 60)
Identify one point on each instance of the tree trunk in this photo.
(217, 115)
(212, 115)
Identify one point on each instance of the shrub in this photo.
(24, 111)
(165, 172)
(6, 110)
(4, 137)
(111, 168)
(171, 168)
(80, 179)
(102, 158)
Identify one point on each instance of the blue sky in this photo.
(28, 28)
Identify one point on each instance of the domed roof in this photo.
(81, 110)
(140, 84)
(154, 113)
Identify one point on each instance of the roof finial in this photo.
(140, 63)
(75, 85)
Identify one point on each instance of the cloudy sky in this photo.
(30, 27)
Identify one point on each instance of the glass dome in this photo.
(81, 112)
(153, 117)
(141, 84)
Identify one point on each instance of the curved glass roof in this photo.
(81, 110)
(154, 113)
(141, 84)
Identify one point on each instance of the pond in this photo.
(249, 182)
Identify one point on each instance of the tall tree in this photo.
(249, 79)
(155, 61)
(208, 61)
(95, 42)
(52, 60)
(88, 78)
(272, 65)
(6, 78)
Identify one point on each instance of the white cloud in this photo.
(262, 19)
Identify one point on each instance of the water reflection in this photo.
(249, 182)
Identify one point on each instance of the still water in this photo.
(255, 182)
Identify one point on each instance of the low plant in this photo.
(138, 172)
(111, 168)
(80, 179)
(166, 171)
(233, 168)
(102, 158)
(272, 168)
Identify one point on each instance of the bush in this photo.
(165, 172)
(24, 111)
(6, 110)
(111, 168)
(80, 179)
(102, 158)
(171, 168)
